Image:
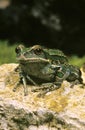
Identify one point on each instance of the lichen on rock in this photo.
(62, 109)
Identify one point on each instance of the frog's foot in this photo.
(47, 87)
(75, 83)
(16, 86)
(25, 92)
(82, 85)
(25, 89)
(43, 87)
(52, 88)
(23, 81)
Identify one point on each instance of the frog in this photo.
(57, 56)
(70, 73)
(37, 67)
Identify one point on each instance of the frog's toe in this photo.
(35, 90)
(74, 83)
(25, 93)
(82, 86)
(42, 94)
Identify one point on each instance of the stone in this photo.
(62, 109)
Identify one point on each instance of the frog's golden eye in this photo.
(17, 50)
(37, 51)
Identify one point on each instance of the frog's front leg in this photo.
(25, 86)
(16, 86)
(23, 80)
(28, 77)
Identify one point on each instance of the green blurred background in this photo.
(7, 52)
(58, 24)
(7, 55)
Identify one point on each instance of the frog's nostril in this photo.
(26, 54)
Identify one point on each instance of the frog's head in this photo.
(35, 53)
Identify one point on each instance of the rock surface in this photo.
(62, 109)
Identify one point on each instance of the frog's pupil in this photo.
(17, 50)
(37, 51)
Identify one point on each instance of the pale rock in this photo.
(62, 109)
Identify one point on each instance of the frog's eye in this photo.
(17, 50)
(38, 51)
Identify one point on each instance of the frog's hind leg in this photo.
(77, 81)
(43, 87)
(53, 87)
(46, 87)
(82, 84)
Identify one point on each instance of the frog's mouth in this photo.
(29, 60)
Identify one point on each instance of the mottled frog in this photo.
(37, 66)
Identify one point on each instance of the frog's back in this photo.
(55, 52)
(57, 55)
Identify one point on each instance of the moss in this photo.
(56, 101)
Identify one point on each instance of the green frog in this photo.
(70, 73)
(56, 55)
(37, 66)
